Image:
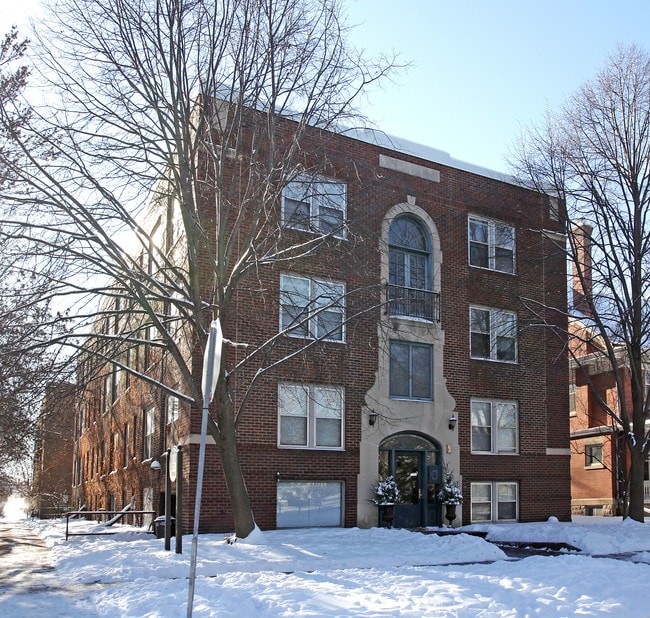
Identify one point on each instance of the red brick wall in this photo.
(538, 381)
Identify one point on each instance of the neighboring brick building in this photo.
(599, 456)
(598, 452)
(53, 447)
(431, 360)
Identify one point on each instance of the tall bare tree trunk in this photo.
(635, 509)
(225, 436)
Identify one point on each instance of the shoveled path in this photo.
(28, 585)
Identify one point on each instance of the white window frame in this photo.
(596, 463)
(148, 432)
(411, 346)
(573, 411)
(493, 501)
(498, 319)
(116, 450)
(126, 446)
(173, 407)
(496, 429)
(303, 401)
(316, 198)
(493, 242)
(318, 300)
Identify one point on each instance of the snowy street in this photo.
(29, 582)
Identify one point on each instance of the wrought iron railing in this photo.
(413, 303)
(135, 517)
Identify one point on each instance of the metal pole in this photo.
(168, 502)
(197, 510)
(179, 500)
(211, 368)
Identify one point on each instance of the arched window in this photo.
(409, 271)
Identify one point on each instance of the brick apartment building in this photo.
(432, 359)
(53, 448)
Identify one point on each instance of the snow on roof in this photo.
(398, 144)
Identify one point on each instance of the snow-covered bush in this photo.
(450, 492)
(386, 491)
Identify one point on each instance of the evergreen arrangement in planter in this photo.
(386, 492)
(386, 497)
(450, 492)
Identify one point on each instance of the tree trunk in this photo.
(636, 505)
(224, 435)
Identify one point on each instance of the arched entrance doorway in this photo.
(415, 462)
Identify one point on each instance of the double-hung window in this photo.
(494, 426)
(491, 244)
(172, 408)
(410, 370)
(494, 502)
(315, 206)
(127, 445)
(493, 334)
(312, 308)
(310, 416)
(148, 428)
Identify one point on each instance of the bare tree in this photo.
(195, 114)
(596, 155)
(13, 79)
(25, 318)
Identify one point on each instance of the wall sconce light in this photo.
(452, 422)
(372, 417)
(155, 465)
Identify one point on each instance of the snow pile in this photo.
(347, 572)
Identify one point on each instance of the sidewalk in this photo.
(28, 583)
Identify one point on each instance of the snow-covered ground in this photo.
(346, 572)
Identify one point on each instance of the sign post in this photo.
(211, 368)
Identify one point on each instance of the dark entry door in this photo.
(414, 461)
(408, 474)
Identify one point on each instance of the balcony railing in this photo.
(413, 303)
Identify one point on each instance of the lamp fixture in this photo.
(154, 472)
(452, 422)
(372, 417)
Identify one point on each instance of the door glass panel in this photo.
(433, 478)
(384, 464)
(407, 441)
(407, 477)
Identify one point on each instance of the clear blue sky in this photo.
(483, 68)
(480, 68)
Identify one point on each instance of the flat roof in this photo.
(398, 144)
